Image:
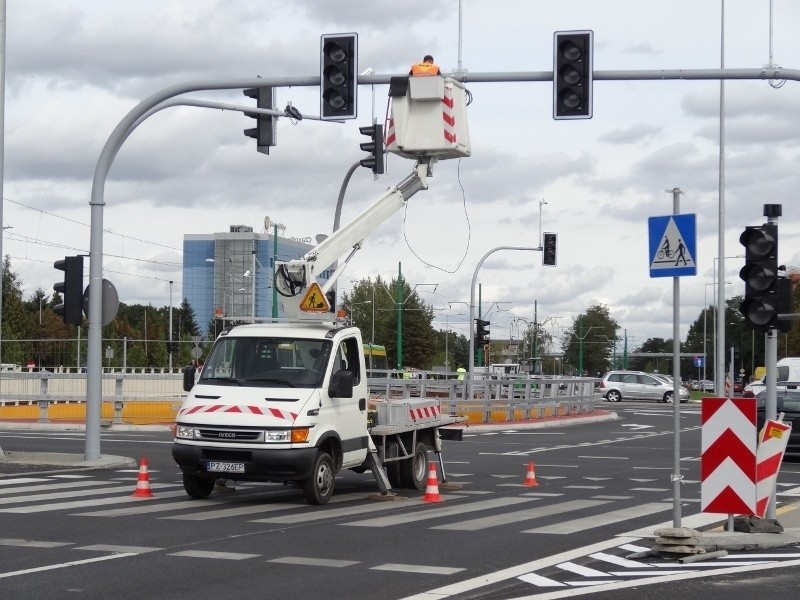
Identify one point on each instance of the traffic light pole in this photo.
(471, 374)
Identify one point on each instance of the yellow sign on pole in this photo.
(314, 300)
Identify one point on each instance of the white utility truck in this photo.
(287, 401)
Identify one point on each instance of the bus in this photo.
(375, 357)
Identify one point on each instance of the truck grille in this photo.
(230, 435)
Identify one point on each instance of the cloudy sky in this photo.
(76, 67)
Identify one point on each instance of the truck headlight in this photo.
(283, 435)
(183, 432)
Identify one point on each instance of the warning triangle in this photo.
(314, 300)
(672, 250)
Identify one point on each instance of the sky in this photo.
(75, 68)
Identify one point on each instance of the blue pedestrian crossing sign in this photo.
(673, 245)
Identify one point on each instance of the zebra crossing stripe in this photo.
(522, 515)
(608, 518)
(37, 508)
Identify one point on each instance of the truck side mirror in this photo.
(341, 385)
(189, 372)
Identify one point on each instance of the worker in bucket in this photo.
(426, 67)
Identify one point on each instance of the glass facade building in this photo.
(228, 276)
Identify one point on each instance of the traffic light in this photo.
(266, 125)
(549, 249)
(338, 78)
(572, 74)
(760, 275)
(71, 289)
(481, 333)
(172, 347)
(374, 147)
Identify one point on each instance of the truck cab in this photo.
(275, 402)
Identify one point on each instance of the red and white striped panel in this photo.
(235, 408)
(728, 460)
(771, 446)
(390, 137)
(447, 114)
(423, 413)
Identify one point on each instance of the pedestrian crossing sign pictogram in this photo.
(673, 245)
(314, 300)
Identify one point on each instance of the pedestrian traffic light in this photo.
(374, 147)
(266, 125)
(549, 249)
(481, 332)
(760, 275)
(572, 74)
(71, 289)
(338, 83)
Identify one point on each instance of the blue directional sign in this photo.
(698, 361)
(673, 245)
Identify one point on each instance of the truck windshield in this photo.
(267, 362)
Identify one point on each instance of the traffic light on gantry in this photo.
(481, 332)
(338, 85)
(266, 125)
(760, 275)
(572, 74)
(549, 249)
(71, 289)
(375, 148)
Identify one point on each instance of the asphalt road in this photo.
(80, 533)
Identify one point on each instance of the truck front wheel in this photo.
(318, 488)
(413, 471)
(197, 487)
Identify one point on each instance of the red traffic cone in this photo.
(143, 481)
(530, 477)
(432, 488)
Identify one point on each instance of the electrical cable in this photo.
(469, 231)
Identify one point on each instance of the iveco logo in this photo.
(226, 434)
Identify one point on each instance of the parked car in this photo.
(788, 403)
(637, 385)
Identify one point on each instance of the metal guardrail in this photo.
(494, 400)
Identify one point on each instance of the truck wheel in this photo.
(318, 488)
(198, 488)
(413, 471)
(393, 468)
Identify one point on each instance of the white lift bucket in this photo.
(428, 117)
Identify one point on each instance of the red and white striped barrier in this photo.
(771, 446)
(448, 116)
(728, 460)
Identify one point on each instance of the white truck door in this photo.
(350, 414)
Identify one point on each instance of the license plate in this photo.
(224, 467)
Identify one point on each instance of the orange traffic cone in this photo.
(530, 477)
(143, 481)
(432, 488)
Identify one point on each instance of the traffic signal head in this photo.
(549, 249)
(374, 147)
(266, 125)
(572, 74)
(760, 276)
(338, 73)
(481, 332)
(71, 289)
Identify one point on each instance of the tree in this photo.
(590, 341)
(419, 340)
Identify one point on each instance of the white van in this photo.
(788, 377)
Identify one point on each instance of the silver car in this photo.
(637, 385)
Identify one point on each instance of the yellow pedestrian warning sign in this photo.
(315, 300)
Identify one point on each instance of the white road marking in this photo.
(20, 543)
(403, 519)
(424, 569)
(130, 550)
(571, 567)
(72, 563)
(214, 555)
(600, 520)
(314, 562)
(521, 515)
(37, 508)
